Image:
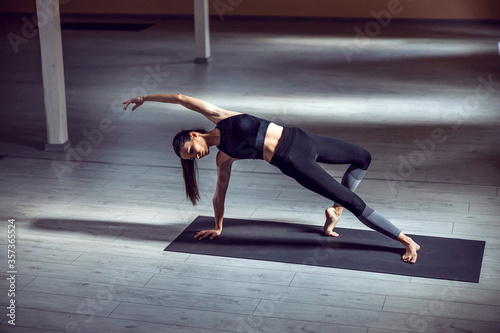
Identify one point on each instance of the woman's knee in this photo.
(366, 158)
(354, 204)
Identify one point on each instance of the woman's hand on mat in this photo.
(205, 233)
(138, 101)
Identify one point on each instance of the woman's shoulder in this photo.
(227, 114)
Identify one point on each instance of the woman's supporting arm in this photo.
(224, 164)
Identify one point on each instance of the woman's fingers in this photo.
(126, 105)
(205, 233)
(136, 106)
(137, 101)
(201, 235)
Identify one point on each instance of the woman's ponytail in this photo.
(190, 171)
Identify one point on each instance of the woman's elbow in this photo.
(218, 200)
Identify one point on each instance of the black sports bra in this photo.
(242, 136)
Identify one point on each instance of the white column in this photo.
(49, 27)
(202, 31)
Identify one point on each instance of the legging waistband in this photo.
(280, 156)
(261, 137)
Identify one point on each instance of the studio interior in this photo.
(204, 166)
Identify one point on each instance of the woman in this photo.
(295, 152)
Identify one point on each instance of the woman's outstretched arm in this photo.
(210, 111)
(224, 164)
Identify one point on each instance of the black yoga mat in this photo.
(439, 258)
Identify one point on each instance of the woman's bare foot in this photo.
(411, 249)
(332, 217)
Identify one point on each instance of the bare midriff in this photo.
(273, 136)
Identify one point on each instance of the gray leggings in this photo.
(298, 155)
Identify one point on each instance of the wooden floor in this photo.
(91, 225)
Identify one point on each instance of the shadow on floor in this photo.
(112, 230)
(168, 232)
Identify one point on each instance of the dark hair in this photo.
(189, 167)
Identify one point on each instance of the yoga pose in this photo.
(295, 152)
